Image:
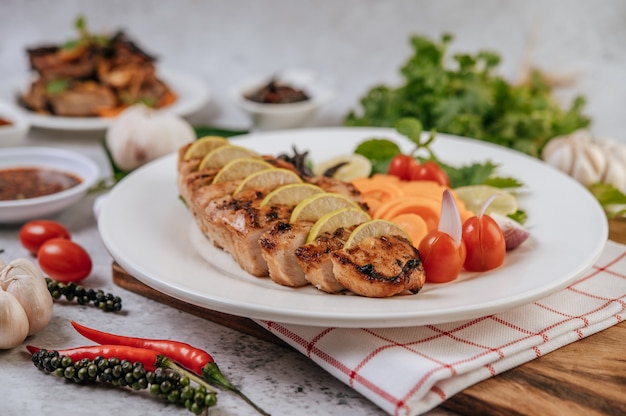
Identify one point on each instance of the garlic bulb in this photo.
(25, 281)
(140, 134)
(13, 321)
(588, 160)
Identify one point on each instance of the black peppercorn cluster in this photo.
(83, 296)
(164, 383)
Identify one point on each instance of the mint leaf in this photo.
(379, 152)
(474, 174)
(500, 182)
(411, 128)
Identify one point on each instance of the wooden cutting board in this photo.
(587, 377)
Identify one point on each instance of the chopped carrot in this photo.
(394, 200)
(110, 111)
(414, 225)
(168, 98)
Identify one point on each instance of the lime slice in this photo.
(291, 194)
(240, 169)
(204, 145)
(473, 197)
(268, 179)
(355, 166)
(220, 156)
(374, 228)
(341, 218)
(316, 206)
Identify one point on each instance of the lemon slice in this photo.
(473, 196)
(204, 145)
(374, 228)
(341, 218)
(268, 179)
(291, 194)
(240, 169)
(220, 156)
(356, 166)
(318, 205)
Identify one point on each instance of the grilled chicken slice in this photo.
(315, 260)
(278, 247)
(236, 225)
(379, 267)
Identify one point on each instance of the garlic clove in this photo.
(26, 283)
(13, 321)
(615, 174)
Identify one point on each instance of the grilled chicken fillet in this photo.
(315, 259)
(278, 247)
(379, 267)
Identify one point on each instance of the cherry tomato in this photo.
(64, 260)
(442, 258)
(34, 233)
(429, 171)
(401, 166)
(485, 244)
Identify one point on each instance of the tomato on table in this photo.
(485, 244)
(34, 233)
(64, 261)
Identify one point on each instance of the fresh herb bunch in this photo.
(470, 100)
(167, 384)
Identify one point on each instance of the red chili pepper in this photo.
(148, 358)
(194, 359)
(189, 357)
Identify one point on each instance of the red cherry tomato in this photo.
(429, 171)
(485, 244)
(64, 260)
(401, 166)
(442, 258)
(34, 233)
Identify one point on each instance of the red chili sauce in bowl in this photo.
(26, 182)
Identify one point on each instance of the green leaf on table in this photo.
(202, 131)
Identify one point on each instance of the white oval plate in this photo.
(145, 227)
(192, 95)
(46, 157)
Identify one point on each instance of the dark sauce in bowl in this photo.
(276, 93)
(24, 183)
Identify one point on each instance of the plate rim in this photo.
(328, 319)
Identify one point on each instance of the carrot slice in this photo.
(414, 225)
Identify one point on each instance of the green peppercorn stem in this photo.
(212, 374)
(107, 302)
(165, 383)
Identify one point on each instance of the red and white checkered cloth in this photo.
(408, 371)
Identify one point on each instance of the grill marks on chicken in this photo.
(264, 242)
(379, 267)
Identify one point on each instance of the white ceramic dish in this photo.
(14, 134)
(44, 157)
(146, 229)
(192, 95)
(267, 117)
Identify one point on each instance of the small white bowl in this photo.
(16, 211)
(15, 133)
(280, 116)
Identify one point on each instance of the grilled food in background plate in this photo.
(298, 238)
(93, 76)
